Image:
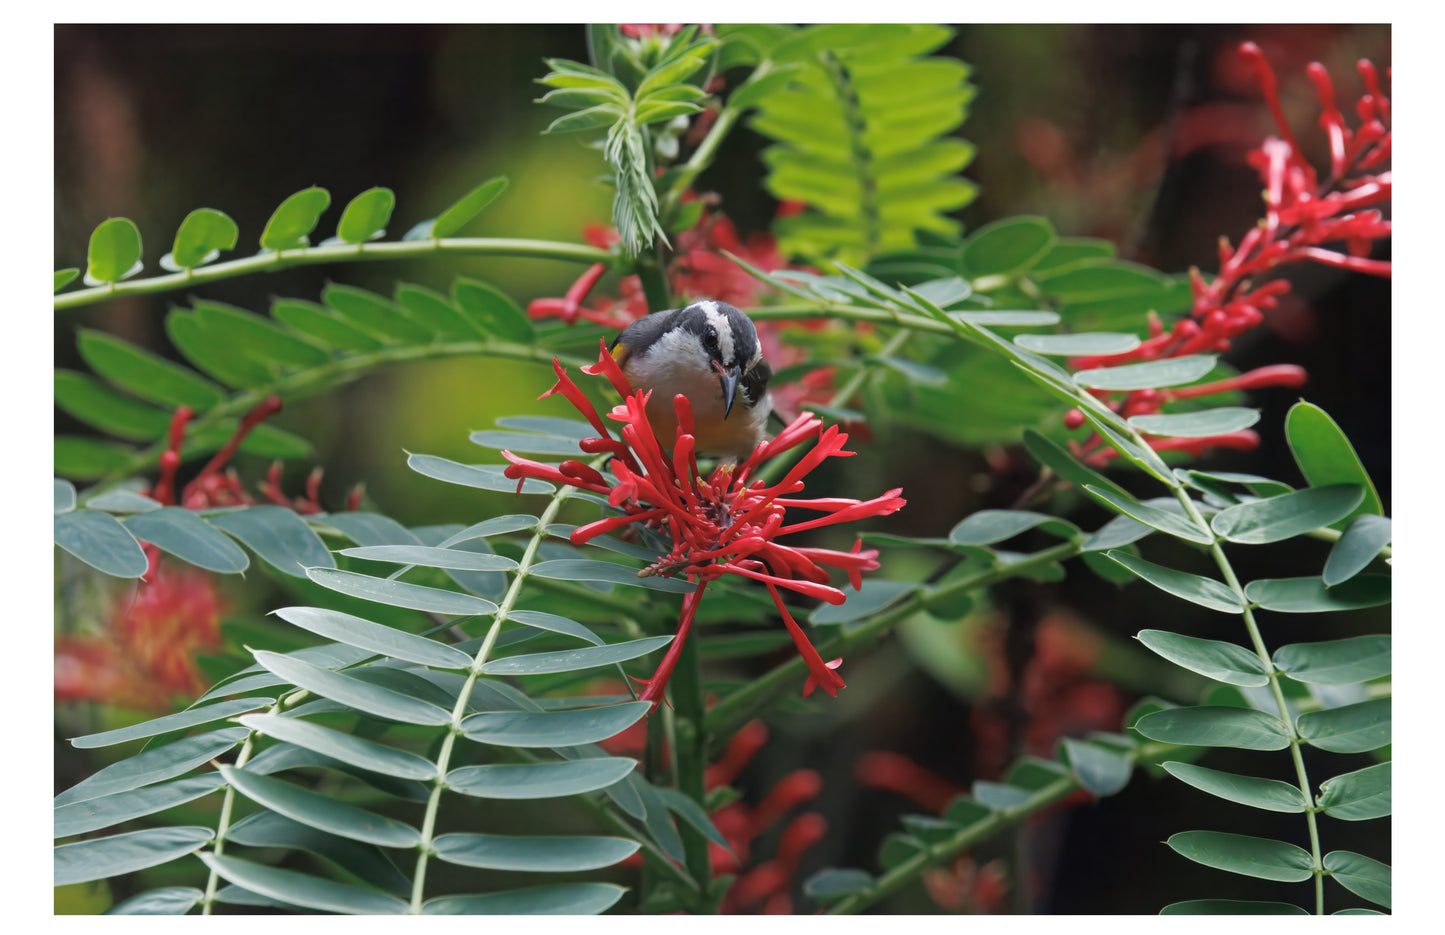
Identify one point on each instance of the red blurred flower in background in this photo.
(723, 524)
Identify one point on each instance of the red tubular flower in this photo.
(722, 524)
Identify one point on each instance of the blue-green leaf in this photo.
(1078, 345)
(94, 814)
(1246, 854)
(834, 884)
(1274, 519)
(1163, 520)
(572, 899)
(1357, 796)
(357, 751)
(373, 637)
(553, 729)
(1361, 875)
(182, 720)
(1225, 662)
(1206, 592)
(353, 692)
(322, 811)
(1231, 907)
(1215, 726)
(189, 538)
(540, 780)
(1364, 538)
(278, 535)
(1270, 794)
(1336, 662)
(401, 593)
(162, 901)
(482, 476)
(545, 854)
(583, 569)
(1309, 595)
(986, 527)
(432, 557)
(155, 765)
(302, 889)
(1201, 424)
(1098, 769)
(125, 853)
(1170, 371)
(571, 660)
(1354, 728)
(1325, 455)
(99, 540)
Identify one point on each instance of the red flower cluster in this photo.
(1302, 214)
(724, 524)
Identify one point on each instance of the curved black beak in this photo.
(727, 378)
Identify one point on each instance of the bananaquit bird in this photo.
(708, 352)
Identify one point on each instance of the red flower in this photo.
(723, 524)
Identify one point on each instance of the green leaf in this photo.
(64, 277)
(1269, 794)
(1357, 796)
(1245, 854)
(322, 811)
(86, 458)
(99, 540)
(573, 660)
(101, 407)
(526, 443)
(357, 751)
(1309, 595)
(1364, 538)
(554, 624)
(1055, 457)
(365, 216)
(1353, 728)
(1206, 592)
(873, 596)
(1361, 875)
(833, 884)
(401, 593)
(301, 889)
(545, 854)
(432, 557)
(214, 353)
(591, 118)
(1089, 343)
(114, 253)
(125, 853)
(481, 476)
(376, 315)
(579, 569)
(1201, 424)
(493, 311)
(540, 780)
(162, 901)
(182, 720)
(999, 796)
(1336, 662)
(1099, 770)
(1171, 371)
(279, 536)
(467, 207)
(986, 527)
(180, 532)
(1325, 455)
(294, 219)
(155, 765)
(1215, 726)
(435, 311)
(572, 899)
(352, 692)
(373, 637)
(1019, 319)
(1231, 907)
(323, 324)
(146, 375)
(64, 496)
(1224, 662)
(1008, 247)
(256, 338)
(553, 729)
(202, 236)
(94, 814)
(1274, 519)
(1174, 524)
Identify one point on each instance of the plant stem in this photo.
(690, 748)
(271, 261)
(702, 157)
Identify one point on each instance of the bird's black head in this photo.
(730, 341)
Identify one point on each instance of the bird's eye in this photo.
(710, 337)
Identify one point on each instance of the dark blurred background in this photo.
(1132, 133)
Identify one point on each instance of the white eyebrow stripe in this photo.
(720, 323)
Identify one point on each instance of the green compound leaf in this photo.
(1224, 662)
(467, 207)
(400, 593)
(1007, 248)
(1269, 794)
(1274, 519)
(356, 751)
(1200, 424)
(180, 532)
(1309, 595)
(88, 458)
(122, 501)
(125, 853)
(156, 765)
(831, 885)
(493, 311)
(1357, 796)
(64, 277)
(1215, 726)
(1078, 345)
(94, 814)
(182, 720)
(1245, 854)
(323, 324)
(302, 889)
(1171, 371)
(554, 623)
(365, 216)
(543, 854)
(373, 637)
(1055, 457)
(1173, 523)
(571, 899)
(352, 692)
(64, 496)
(1336, 662)
(1364, 538)
(202, 236)
(321, 811)
(114, 253)
(1231, 907)
(162, 901)
(1325, 455)
(99, 540)
(1099, 770)
(294, 219)
(582, 569)
(99, 406)
(572, 660)
(986, 527)
(1354, 728)
(1361, 875)
(432, 557)
(553, 729)
(481, 476)
(376, 315)
(146, 375)
(279, 536)
(1206, 592)
(873, 596)
(257, 338)
(540, 780)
